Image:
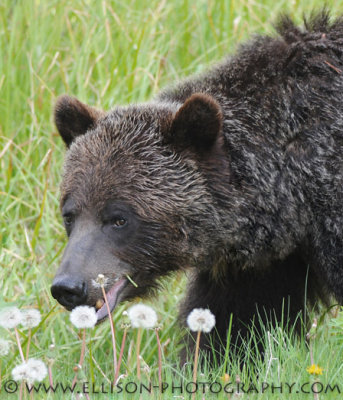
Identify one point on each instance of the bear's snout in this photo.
(69, 291)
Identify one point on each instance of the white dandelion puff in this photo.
(83, 317)
(32, 370)
(201, 320)
(30, 318)
(142, 316)
(38, 370)
(4, 347)
(21, 372)
(100, 281)
(10, 317)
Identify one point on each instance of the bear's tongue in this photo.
(112, 297)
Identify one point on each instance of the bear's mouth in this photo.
(112, 298)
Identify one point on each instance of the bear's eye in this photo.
(119, 222)
(68, 219)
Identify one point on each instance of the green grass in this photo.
(108, 53)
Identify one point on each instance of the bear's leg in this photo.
(328, 259)
(278, 293)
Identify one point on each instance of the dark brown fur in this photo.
(235, 174)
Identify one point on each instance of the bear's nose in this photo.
(68, 291)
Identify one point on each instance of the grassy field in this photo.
(108, 53)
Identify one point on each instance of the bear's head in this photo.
(136, 196)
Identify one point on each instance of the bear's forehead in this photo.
(125, 137)
(137, 130)
(128, 162)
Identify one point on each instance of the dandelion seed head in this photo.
(38, 370)
(83, 317)
(142, 316)
(30, 318)
(30, 371)
(21, 372)
(201, 320)
(100, 281)
(10, 317)
(4, 347)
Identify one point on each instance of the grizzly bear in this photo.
(235, 174)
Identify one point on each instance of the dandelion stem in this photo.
(83, 348)
(74, 381)
(82, 355)
(51, 382)
(315, 391)
(159, 360)
(196, 356)
(28, 345)
(120, 355)
(112, 330)
(19, 345)
(139, 339)
(21, 390)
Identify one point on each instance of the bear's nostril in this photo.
(70, 297)
(69, 292)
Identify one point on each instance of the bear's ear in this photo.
(197, 124)
(74, 118)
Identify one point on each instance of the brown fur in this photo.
(235, 174)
